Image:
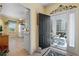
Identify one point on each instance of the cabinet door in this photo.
(26, 41)
(4, 40)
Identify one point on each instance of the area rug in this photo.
(54, 53)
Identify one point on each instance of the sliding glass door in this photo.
(59, 28)
(63, 30)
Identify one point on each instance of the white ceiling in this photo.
(14, 10)
(43, 4)
(46, 4)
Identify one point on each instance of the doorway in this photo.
(59, 31)
(62, 35)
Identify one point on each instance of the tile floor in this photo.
(16, 47)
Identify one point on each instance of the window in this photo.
(12, 26)
(59, 29)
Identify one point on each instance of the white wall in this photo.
(34, 8)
